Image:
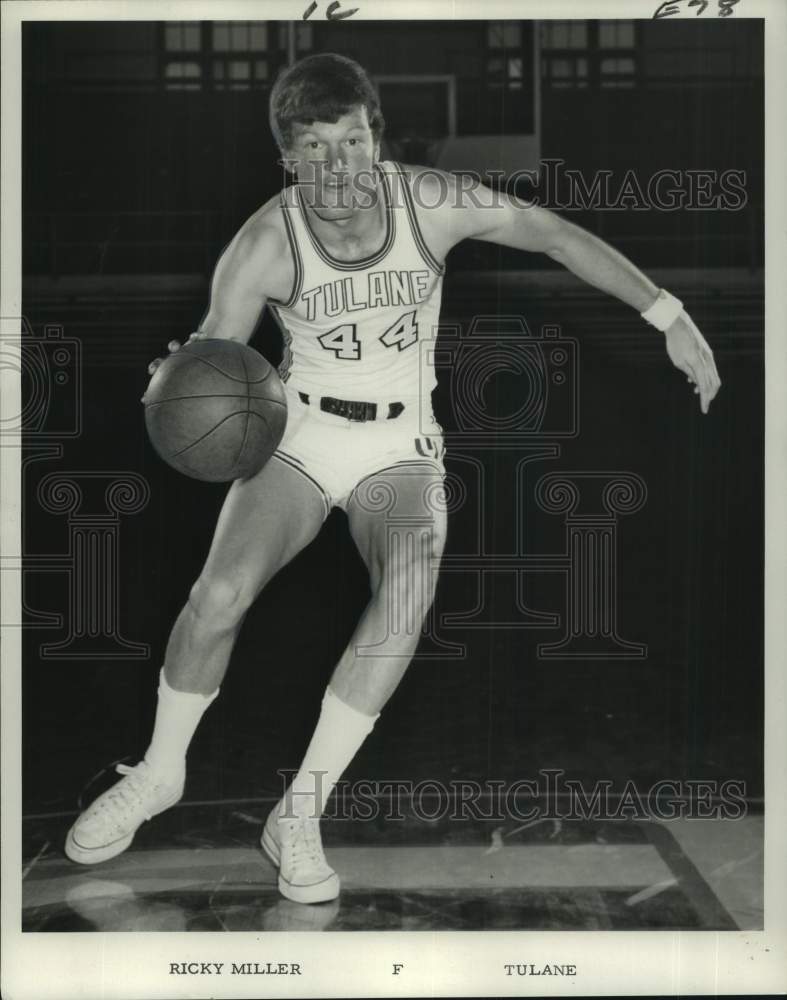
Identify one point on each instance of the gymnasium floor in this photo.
(198, 868)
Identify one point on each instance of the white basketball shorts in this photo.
(338, 454)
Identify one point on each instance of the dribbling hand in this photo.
(173, 346)
(689, 351)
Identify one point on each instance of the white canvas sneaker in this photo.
(295, 847)
(107, 827)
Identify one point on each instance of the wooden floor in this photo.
(200, 868)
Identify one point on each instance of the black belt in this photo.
(352, 409)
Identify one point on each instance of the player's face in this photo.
(334, 164)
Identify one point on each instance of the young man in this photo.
(351, 265)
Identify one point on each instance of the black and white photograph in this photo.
(393, 487)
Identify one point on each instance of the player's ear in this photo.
(289, 162)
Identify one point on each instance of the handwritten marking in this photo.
(333, 13)
(671, 7)
(666, 9)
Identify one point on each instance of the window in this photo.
(616, 43)
(182, 48)
(494, 80)
(616, 34)
(227, 55)
(182, 36)
(581, 54)
(239, 74)
(617, 73)
(304, 36)
(564, 35)
(183, 76)
(240, 36)
(565, 72)
(504, 35)
(504, 66)
(240, 54)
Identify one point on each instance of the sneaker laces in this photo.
(306, 842)
(130, 792)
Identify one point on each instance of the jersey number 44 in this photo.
(343, 340)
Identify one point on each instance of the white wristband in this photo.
(664, 311)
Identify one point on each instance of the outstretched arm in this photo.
(484, 214)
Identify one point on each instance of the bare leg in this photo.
(401, 547)
(264, 523)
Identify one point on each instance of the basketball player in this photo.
(351, 265)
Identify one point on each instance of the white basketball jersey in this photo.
(362, 330)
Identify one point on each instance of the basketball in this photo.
(215, 410)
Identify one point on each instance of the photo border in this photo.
(344, 964)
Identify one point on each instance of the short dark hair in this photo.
(321, 88)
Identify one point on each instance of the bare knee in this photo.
(220, 602)
(411, 563)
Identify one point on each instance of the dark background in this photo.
(134, 179)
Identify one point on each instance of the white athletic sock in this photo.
(177, 717)
(337, 738)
